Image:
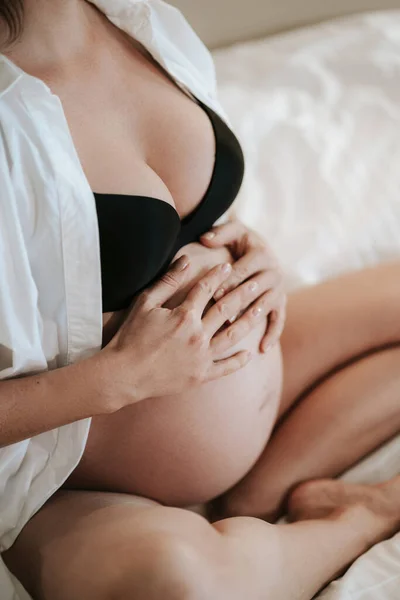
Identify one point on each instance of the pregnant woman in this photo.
(133, 388)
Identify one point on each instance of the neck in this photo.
(55, 33)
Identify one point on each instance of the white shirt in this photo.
(50, 278)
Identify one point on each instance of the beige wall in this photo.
(220, 22)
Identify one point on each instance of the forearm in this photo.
(33, 404)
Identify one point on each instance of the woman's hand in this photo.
(255, 268)
(202, 260)
(160, 351)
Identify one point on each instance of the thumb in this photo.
(161, 291)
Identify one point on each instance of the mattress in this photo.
(318, 113)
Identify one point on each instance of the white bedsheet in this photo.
(318, 113)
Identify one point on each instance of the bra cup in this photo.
(139, 235)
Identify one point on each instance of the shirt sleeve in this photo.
(20, 336)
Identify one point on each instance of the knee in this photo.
(168, 568)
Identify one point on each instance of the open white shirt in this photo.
(50, 278)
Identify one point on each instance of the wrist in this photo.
(113, 390)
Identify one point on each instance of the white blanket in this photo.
(318, 113)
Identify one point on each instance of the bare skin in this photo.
(188, 448)
(321, 498)
(171, 550)
(140, 450)
(100, 545)
(342, 337)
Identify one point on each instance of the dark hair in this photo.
(12, 12)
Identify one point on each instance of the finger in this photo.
(247, 266)
(275, 326)
(228, 308)
(204, 290)
(161, 291)
(233, 334)
(237, 301)
(229, 365)
(222, 234)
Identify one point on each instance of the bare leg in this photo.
(337, 321)
(98, 546)
(320, 498)
(350, 413)
(342, 420)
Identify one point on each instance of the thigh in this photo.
(94, 546)
(66, 550)
(332, 323)
(97, 546)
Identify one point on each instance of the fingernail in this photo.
(233, 319)
(219, 293)
(256, 312)
(253, 286)
(183, 263)
(227, 268)
(209, 236)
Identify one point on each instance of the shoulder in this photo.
(9, 80)
(11, 86)
(22, 169)
(24, 105)
(9, 76)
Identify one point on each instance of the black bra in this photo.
(140, 235)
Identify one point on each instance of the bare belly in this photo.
(189, 448)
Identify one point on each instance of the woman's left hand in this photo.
(255, 265)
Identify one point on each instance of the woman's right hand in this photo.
(159, 351)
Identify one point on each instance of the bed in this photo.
(318, 112)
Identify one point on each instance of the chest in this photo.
(136, 132)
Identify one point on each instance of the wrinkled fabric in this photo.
(318, 114)
(50, 279)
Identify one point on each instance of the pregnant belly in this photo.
(188, 448)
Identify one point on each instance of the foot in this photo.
(375, 507)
